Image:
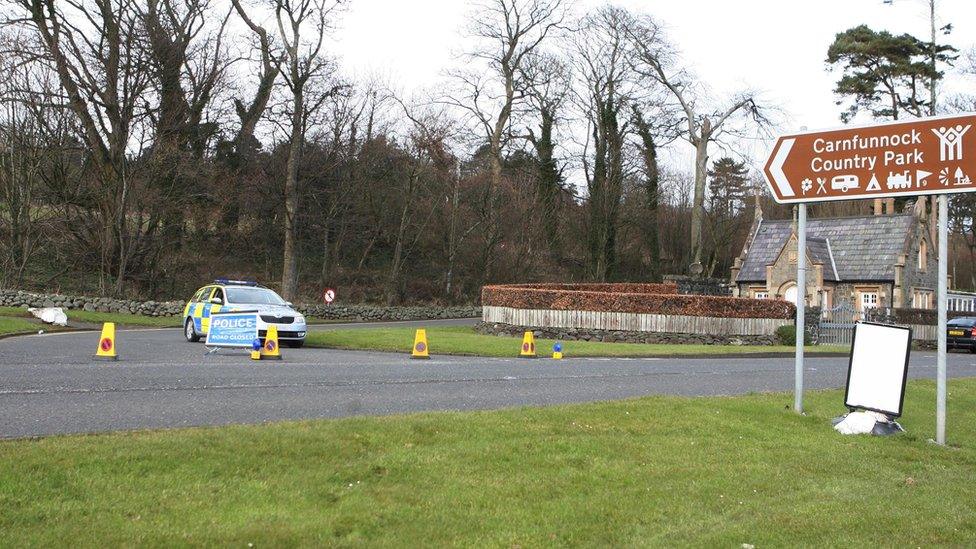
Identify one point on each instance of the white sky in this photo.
(775, 47)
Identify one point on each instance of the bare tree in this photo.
(606, 91)
(93, 46)
(548, 83)
(508, 31)
(654, 59)
(302, 26)
(188, 63)
(250, 113)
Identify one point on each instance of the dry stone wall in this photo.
(623, 336)
(18, 298)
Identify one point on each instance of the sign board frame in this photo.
(774, 170)
(904, 370)
(252, 313)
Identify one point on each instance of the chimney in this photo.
(890, 206)
(878, 204)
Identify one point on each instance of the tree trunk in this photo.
(393, 280)
(651, 181)
(548, 185)
(289, 271)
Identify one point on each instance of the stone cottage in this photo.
(880, 260)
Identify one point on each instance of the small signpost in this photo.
(906, 158)
(329, 295)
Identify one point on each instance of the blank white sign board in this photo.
(878, 368)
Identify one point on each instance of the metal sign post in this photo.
(940, 391)
(801, 294)
(927, 156)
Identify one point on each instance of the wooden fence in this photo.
(636, 322)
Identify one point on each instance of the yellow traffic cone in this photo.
(106, 343)
(528, 345)
(270, 350)
(420, 347)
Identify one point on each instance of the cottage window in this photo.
(922, 299)
(923, 256)
(762, 295)
(869, 300)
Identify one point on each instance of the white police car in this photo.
(236, 295)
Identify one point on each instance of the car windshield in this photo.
(962, 322)
(255, 296)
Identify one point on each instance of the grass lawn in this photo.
(670, 471)
(94, 317)
(463, 340)
(17, 326)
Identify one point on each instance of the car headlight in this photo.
(300, 319)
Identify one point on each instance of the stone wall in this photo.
(371, 312)
(693, 285)
(17, 298)
(622, 336)
(913, 277)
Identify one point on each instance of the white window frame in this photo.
(868, 300)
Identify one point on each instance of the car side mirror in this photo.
(216, 301)
(289, 303)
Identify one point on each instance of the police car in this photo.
(236, 295)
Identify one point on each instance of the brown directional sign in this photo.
(924, 156)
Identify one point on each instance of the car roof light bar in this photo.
(229, 282)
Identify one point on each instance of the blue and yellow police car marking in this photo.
(201, 312)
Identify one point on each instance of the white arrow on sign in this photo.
(776, 168)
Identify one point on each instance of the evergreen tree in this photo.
(885, 74)
(727, 185)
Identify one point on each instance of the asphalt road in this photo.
(50, 385)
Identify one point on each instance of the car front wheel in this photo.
(190, 332)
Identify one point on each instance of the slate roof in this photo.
(819, 250)
(863, 248)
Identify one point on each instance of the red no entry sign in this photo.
(329, 295)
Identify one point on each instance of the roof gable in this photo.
(854, 248)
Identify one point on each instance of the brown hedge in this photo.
(614, 287)
(568, 298)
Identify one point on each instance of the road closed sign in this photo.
(927, 156)
(233, 329)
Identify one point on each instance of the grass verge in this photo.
(9, 326)
(95, 317)
(463, 340)
(653, 471)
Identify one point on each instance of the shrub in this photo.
(620, 298)
(786, 335)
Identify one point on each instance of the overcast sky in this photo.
(775, 47)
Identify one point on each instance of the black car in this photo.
(961, 334)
